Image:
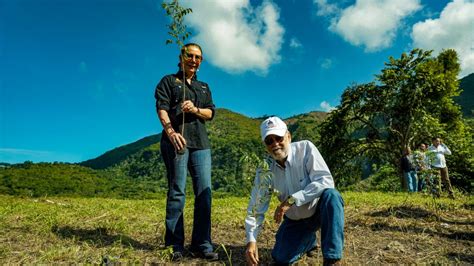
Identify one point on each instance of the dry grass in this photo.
(380, 229)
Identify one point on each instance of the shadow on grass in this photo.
(98, 236)
(462, 257)
(460, 235)
(407, 212)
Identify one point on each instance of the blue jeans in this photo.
(296, 237)
(410, 177)
(198, 162)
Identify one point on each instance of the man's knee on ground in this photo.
(282, 257)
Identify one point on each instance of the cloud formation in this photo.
(236, 36)
(372, 24)
(454, 29)
(327, 63)
(326, 9)
(326, 107)
(295, 43)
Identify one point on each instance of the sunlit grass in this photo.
(93, 230)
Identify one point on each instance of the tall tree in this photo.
(408, 103)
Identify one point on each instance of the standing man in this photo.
(408, 168)
(422, 167)
(187, 149)
(308, 200)
(439, 162)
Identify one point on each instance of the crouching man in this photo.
(307, 195)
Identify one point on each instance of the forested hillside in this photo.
(363, 137)
(137, 169)
(466, 99)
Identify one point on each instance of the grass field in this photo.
(380, 228)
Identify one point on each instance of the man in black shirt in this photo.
(185, 146)
(408, 168)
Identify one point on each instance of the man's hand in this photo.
(177, 140)
(251, 254)
(281, 210)
(188, 107)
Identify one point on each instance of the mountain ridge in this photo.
(222, 127)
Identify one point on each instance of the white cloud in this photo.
(12, 151)
(327, 63)
(295, 43)
(326, 9)
(372, 23)
(236, 36)
(326, 107)
(454, 29)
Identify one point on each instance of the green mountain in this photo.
(136, 170)
(227, 129)
(234, 137)
(119, 154)
(466, 99)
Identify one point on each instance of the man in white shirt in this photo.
(307, 195)
(439, 162)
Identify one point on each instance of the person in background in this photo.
(308, 200)
(408, 168)
(422, 167)
(186, 151)
(439, 162)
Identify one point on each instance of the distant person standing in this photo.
(422, 166)
(186, 151)
(408, 168)
(439, 162)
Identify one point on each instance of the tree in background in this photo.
(408, 103)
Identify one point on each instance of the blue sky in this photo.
(77, 77)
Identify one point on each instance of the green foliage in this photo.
(117, 155)
(177, 29)
(43, 179)
(306, 126)
(410, 102)
(385, 178)
(137, 170)
(466, 84)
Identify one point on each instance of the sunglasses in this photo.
(189, 56)
(271, 139)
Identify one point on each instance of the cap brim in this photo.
(278, 132)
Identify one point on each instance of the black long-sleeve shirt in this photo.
(169, 96)
(407, 163)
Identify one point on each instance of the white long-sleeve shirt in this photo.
(439, 161)
(304, 177)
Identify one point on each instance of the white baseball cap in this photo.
(273, 126)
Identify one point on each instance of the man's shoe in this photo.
(177, 256)
(331, 262)
(210, 256)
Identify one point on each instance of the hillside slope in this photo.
(466, 99)
(119, 154)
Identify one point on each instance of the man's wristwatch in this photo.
(290, 200)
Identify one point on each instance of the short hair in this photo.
(190, 44)
(434, 138)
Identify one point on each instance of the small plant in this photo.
(265, 187)
(178, 33)
(227, 253)
(177, 29)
